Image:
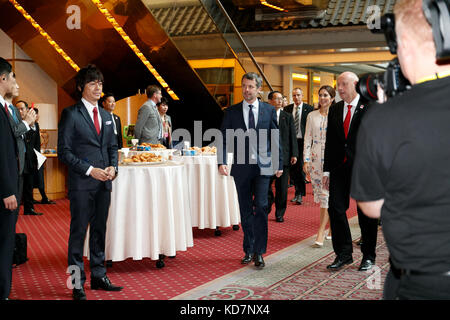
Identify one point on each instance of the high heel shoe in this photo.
(317, 244)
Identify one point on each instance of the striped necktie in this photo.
(297, 120)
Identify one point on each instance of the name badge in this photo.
(108, 123)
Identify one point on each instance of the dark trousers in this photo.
(281, 192)
(296, 173)
(7, 242)
(28, 186)
(39, 183)
(339, 202)
(88, 208)
(416, 287)
(252, 189)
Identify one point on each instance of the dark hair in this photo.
(151, 90)
(24, 102)
(270, 96)
(329, 89)
(86, 75)
(105, 96)
(5, 67)
(163, 101)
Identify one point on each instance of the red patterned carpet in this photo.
(44, 275)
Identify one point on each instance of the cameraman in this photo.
(402, 170)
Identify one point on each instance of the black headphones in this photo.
(437, 14)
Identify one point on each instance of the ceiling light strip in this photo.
(44, 34)
(133, 47)
(265, 3)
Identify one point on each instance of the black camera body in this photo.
(392, 80)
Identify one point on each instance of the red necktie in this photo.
(347, 120)
(347, 124)
(6, 108)
(96, 123)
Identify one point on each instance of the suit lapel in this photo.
(88, 119)
(339, 120)
(240, 110)
(260, 114)
(356, 117)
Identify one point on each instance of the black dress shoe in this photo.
(279, 219)
(259, 261)
(338, 263)
(299, 199)
(294, 199)
(104, 284)
(248, 258)
(366, 264)
(33, 213)
(47, 201)
(78, 294)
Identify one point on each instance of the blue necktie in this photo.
(251, 118)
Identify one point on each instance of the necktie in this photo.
(96, 123)
(297, 120)
(6, 108)
(13, 114)
(347, 120)
(251, 118)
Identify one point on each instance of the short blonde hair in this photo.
(412, 18)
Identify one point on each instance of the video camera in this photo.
(392, 81)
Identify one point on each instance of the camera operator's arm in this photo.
(372, 209)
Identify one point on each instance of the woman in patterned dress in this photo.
(313, 155)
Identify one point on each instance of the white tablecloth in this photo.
(214, 201)
(150, 213)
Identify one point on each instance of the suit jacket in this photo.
(119, 131)
(148, 124)
(306, 109)
(267, 120)
(337, 147)
(19, 130)
(32, 141)
(9, 170)
(79, 146)
(288, 137)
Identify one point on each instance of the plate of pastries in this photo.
(205, 150)
(150, 146)
(143, 159)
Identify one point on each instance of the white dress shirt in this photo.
(246, 109)
(90, 109)
(278, 116)
(354, 103)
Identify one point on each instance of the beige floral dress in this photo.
(314, 152)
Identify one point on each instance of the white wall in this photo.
(35, 85)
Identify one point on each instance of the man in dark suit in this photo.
(288, 142)
(299, 111)
(32, 142)
(87, 144)
(9, 182)
(344, 119)
(250, 131)
(109, 104)
(21, 124)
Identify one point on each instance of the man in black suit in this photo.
(250, 131)
(32, 142)
(21, 124)
(87, 144)
(288, 142)
(299, 111)
(109, 104)
(344, 119)
(9, 182)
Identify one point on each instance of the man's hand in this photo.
(326, 182)
(223, 170)
(99, 174)
(278, 173)
(30, 117)
(111, 172)
(10, 202)
(293, 160)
